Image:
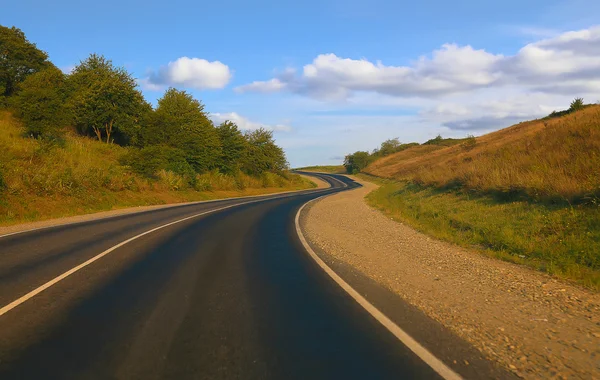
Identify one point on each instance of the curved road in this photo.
(230, 293)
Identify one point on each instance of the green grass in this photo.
(333, 169)
(559, 239)
(42, 180)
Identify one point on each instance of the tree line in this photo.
(357, 161)
(102, 101)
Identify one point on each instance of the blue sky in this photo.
(331, 77)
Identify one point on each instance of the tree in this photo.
(357, 161)
(233, 147)
(40, 103)
(389, 146)
(105, 100)
(180, 121)
(263, 154)
(576, 105)
(18, 59)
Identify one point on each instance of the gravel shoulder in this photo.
(528, 322)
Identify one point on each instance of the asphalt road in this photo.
(227, 294)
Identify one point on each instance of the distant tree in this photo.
(40, 103)
(263, 154)
(389, 146)
(18, 59)
(233, 147)
(576, 105)
(180, 121)
(105, 100)
(357, 161)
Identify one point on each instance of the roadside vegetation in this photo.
(529, 193)
(332, 169)
(89, 141)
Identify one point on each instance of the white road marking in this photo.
(162, 208)
(436, 364)
(55, 280)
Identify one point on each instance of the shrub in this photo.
(151, 160)
(470, 142)
(40, 103)
(576, 105)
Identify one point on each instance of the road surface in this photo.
(220, 289)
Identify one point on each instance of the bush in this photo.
(151, 160)
(40, 103)
(576, 105)
(470, 142)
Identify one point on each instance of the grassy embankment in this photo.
(332, 169)
(529, 193)
(42, 180)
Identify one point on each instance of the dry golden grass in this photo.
(40, 180)
(542, 158)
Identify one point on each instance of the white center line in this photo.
(55, 280)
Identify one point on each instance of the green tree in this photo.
(263, 154)
(180, 121)
(576, 105)
(105, 100)
(389, 146)
(18, 59)
(233, 147)
(357, 161)
(40, 103)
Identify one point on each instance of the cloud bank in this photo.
(564, 64)
(458, 87)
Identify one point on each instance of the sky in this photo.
(331, 77)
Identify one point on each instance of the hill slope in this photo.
(41, 179)
(556, 157)
(529, 193)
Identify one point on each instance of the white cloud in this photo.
(567, 63)
(187, 72)
(245, 124)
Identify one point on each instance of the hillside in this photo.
(548, 158)
(529, 193)
(333, 169)
(42, 178)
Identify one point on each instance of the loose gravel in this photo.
(534, 325)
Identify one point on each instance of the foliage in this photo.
(18, 59)
(263, 154)
(440, 141)
(105, 100)
(173, 147)
(333, 169)
(180, 121)
(150, 160)
(43, 180)
(557, 239)
(576, 105)
(40, 103)
(469, 142)
(233, 147)
(357, 161)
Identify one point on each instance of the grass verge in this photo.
(332, 169)
(42, 179)
(559, 239)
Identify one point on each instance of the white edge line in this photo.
(158, 208)
(5, 309)
(436, 364)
